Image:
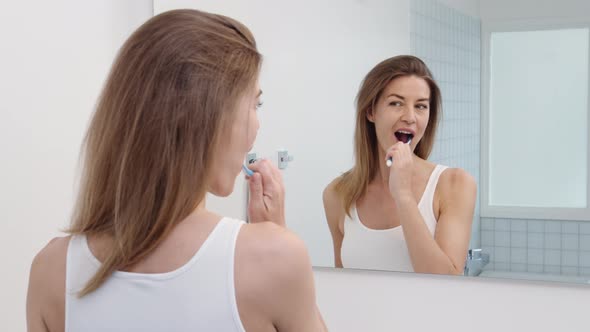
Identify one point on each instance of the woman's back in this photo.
(174, 123)
(197, 296)
(211, 273)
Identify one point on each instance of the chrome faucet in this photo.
(476, 261)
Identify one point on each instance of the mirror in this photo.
(513, 76)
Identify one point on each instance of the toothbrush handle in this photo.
(389, 161)
(246, 170)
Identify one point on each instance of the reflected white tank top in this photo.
(366, 248)
(199, 296)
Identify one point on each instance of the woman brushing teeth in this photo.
(395, 210)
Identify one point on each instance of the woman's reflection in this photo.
(407, 214)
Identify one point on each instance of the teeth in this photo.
(404, 132)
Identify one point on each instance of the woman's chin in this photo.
(222, 192)
(222, 189)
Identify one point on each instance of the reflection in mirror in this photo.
(513, 81)
(409, 214)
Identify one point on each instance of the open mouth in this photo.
(403, 136)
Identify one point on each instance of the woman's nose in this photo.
(409, 116)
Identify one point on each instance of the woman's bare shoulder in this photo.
(331, 197)
(50, 262)
(46, 293)
(270, 263)
(330, 192)
(274, 247)
(456, 179)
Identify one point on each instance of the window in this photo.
(535, 122)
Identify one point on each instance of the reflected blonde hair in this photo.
(172, 90)
(353, 183)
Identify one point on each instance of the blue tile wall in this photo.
(449, 43)
(543, 246)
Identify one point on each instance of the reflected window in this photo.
(538, 119)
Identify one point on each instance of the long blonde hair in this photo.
(353, 183)
(172, 90)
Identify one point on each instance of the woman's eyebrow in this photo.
(396, 95)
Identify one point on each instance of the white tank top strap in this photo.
(436, 173)
(433, 180)
(426, 205)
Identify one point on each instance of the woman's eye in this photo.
(395, 103)
(259, 104)
(422, 107)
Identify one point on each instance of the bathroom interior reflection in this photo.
(514, 86)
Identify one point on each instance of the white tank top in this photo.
(366, 248)
(199, 296)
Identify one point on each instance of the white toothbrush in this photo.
(389, 161)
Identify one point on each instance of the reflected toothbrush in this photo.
(389, 161)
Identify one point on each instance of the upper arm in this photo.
(294, 298)
(334, 216)
(457, 204)
(274, 285)
(46, 283)
(35, 321)
(274, 280)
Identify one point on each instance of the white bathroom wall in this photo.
(505, 10)
(316, 54)
(466, 7)
(54, 57)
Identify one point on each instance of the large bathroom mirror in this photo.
(513, 76)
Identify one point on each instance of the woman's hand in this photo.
(400, 172)
(267, 193)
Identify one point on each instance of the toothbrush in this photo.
(247, 171)
(389, 161)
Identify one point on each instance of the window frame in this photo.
(500, 211)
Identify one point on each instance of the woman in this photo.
(394, 210)
(175, 121)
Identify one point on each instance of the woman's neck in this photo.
(200, 208)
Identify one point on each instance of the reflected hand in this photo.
(400, 172)
(267, 193)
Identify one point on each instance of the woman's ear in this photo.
(370, 115)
